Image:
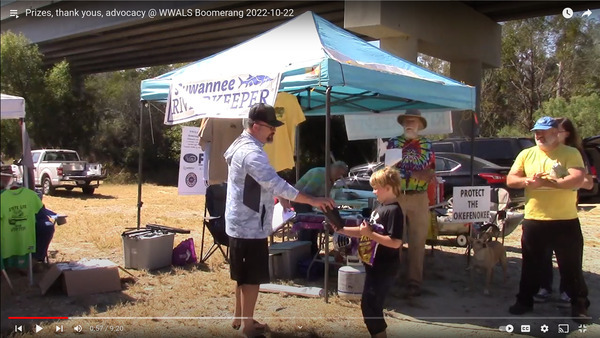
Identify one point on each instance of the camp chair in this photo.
(214, 206)
(498, 209)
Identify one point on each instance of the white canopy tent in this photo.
(13, 107)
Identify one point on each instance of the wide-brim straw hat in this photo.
(413, 113)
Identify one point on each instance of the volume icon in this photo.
(77, 328)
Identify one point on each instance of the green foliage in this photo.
(10, 138)
(583, 111)
(542, 58)
(57, 115)
(21, 65)
(513, 131)
(117, 106)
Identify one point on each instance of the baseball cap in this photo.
(545, 123)
(265, 113)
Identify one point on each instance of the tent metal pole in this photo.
(472, 134)
(297, 153)
(327, 180)
(140, 159)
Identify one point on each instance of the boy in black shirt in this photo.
(380, 241)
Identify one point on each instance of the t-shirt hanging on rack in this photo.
(220, 133)
(18, 208)
(281, 151)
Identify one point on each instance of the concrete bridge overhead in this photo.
(94, 41)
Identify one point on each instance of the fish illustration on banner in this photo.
(254, 80)
(225, 97)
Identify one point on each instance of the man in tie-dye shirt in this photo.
(417, 168)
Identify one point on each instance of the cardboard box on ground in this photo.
(83, 278)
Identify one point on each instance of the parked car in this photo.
(454, 169)
(591, 146)
(500, 150)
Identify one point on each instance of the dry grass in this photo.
(201, 296)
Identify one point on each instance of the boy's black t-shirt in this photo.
(390, 216)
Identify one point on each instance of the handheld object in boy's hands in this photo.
(367, 248)
(334, 219)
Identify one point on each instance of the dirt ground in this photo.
(197, 300)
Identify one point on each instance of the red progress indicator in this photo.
(38, 317)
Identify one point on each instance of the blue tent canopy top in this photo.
(313, 54)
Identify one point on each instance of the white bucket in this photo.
(351, 280)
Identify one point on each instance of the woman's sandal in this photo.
(237, 326)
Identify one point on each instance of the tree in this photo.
(583, 111)
(576, 53)
(56, 117)
(21, 75)
(117, 107)
(542, 58)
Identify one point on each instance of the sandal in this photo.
(259, 328)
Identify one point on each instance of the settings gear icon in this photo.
(544, 328)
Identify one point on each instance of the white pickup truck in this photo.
(61, 168)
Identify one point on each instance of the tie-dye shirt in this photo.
(416, 155)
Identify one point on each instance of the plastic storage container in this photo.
(284, 257)
(147, 249)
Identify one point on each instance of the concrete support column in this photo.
(404, 47)
(469, 72)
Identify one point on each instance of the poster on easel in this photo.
(191, 164)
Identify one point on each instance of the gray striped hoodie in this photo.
(251, 187)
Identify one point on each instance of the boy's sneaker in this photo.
(542, 296)
(564, 301)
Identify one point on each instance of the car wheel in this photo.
(87, 190)
(47, 187)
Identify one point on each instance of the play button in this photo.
(38, 328)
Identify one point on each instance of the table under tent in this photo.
(329, 70)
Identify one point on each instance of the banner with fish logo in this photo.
(191, 164)
(226, 97)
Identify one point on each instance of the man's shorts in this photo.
(249, 260)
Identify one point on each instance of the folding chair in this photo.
(500, 200)
(214, 205)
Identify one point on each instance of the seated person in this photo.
(32, 221)
(313, 183)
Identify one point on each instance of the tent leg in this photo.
(297, 153)
(8, 280)
(30, 269)
(140, 159)
(327, 180)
